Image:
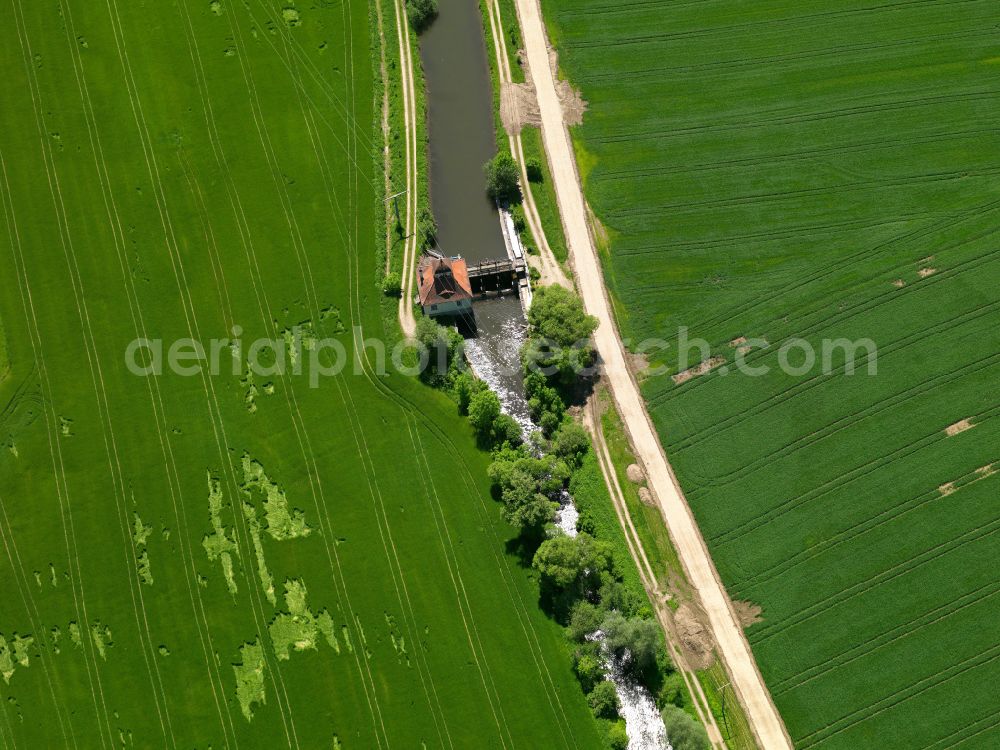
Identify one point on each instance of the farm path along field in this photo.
(775, 177)
(684, 532)
(232, 557)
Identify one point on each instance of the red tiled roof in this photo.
(444, 280)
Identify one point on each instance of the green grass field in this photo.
(213, 561)
(820, 170)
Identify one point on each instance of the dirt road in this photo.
(733, 647)
(406, 320)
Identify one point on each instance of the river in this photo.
(461, 134)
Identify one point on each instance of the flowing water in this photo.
(460, 127)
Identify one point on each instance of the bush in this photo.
(392, 285)
(506, 430)
(584, 619)
(444, 347)
(517, 217)
(587, 666)
(426, 229)
(571, 443)
(502, 183)
(533, 166)
(642, 639)
(580, 561)
(685, 733)
(533, 273)
(484, 408)
(672, 691)
(465, 387)
(618, 737)
(604, 701)
(421, 13)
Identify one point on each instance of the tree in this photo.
(465, 387)
(443, 346)
(588, 668)
(566, 561)
(484, 408)
(420, 13)
(584, 618)
(525, 507)
(533, 166)
(571, 443)
(684, 732)
(506, 430)
(392, 285)
(557, 314)
(640, 637)
(559, 330)
(603, 700)
(502, 183)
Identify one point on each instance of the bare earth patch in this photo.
(634, 473)
(693, 372)
(986, 471)
(958, 427)
(737, 342)
(947, 488)
(925, 272)
(747, 613)
(573, 104)
(639, 363)
(899, 283)
(646, 497)
(695, 638)
(518, 106)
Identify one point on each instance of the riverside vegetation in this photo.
(583, 580)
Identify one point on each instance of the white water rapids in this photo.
(495, 358)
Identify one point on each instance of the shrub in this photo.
(584, 619)
(506, 430)
(571, 443)
(533, 166)
(672, 691)
(517, 217)
(580, 561)
(392, 285)
(502, 183)
(642, 639)
(426, 229)
(533, 273)
(465, 387)
(484, 408)
(444, 347)
(603, 700)
(684, 732)
(588, 668)
(421, 13)
(618, 737)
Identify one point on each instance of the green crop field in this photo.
(822, 170)
(208, 561)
